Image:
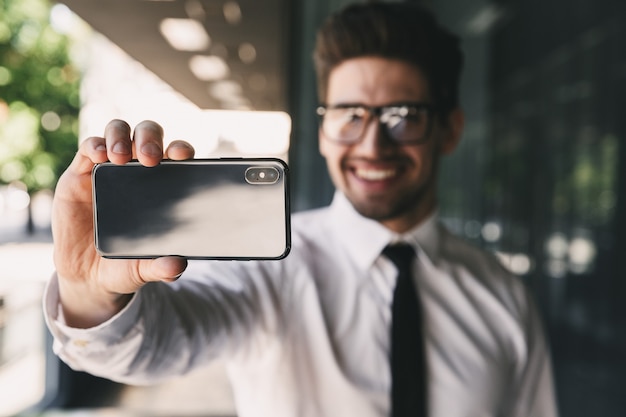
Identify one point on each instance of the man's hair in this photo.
(403, 31)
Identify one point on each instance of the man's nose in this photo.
(375, 137)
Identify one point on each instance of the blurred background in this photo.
(539, 178)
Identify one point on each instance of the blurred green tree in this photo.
(39, 96)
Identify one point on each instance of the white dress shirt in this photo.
(309, 335)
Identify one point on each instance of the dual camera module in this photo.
(262, 175)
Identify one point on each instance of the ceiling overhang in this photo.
(253, 44)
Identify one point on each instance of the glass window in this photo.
(538, 178)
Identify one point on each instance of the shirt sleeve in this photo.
(88, 349)
(169, 329)
(533, 393)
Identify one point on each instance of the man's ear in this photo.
(452, 131)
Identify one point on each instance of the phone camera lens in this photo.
(262, 175)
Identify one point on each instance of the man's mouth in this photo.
(369, 174)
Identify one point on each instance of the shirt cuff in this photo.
(109, 331)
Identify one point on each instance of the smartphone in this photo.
(230, 208)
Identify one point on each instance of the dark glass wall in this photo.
(541, 175)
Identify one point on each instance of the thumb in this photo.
(168, 268)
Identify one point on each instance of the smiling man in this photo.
(380, 141)
(377, 311)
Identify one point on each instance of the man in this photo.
(315, 334)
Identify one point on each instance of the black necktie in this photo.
(408, 386)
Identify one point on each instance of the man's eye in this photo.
(415, 115)
(353, 115)
(393, 120)
(393, 114)
(418, 117)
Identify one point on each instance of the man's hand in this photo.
(92, 288)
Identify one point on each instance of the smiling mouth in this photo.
(375, 174)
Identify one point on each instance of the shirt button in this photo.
(80, 343)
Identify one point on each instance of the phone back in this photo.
(201, 209)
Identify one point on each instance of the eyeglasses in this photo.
(403, 123)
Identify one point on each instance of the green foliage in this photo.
(39, 96)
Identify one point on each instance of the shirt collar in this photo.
(425, 236)
(365, 239)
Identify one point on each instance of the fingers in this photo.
(118, 143)
(116, 146)
(148, 143)
(91, 151)
(179, 150)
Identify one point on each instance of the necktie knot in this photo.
(401, 254)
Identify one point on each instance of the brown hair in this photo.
(402, 31)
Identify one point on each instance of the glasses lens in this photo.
(406, 123)
(344, 124)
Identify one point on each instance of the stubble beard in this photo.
(382, 208)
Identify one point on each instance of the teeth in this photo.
(375, 174)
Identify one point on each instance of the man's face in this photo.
(394, 184)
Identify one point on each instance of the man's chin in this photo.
(376, 210)
(386, 208)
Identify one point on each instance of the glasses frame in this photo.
(377, 112)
